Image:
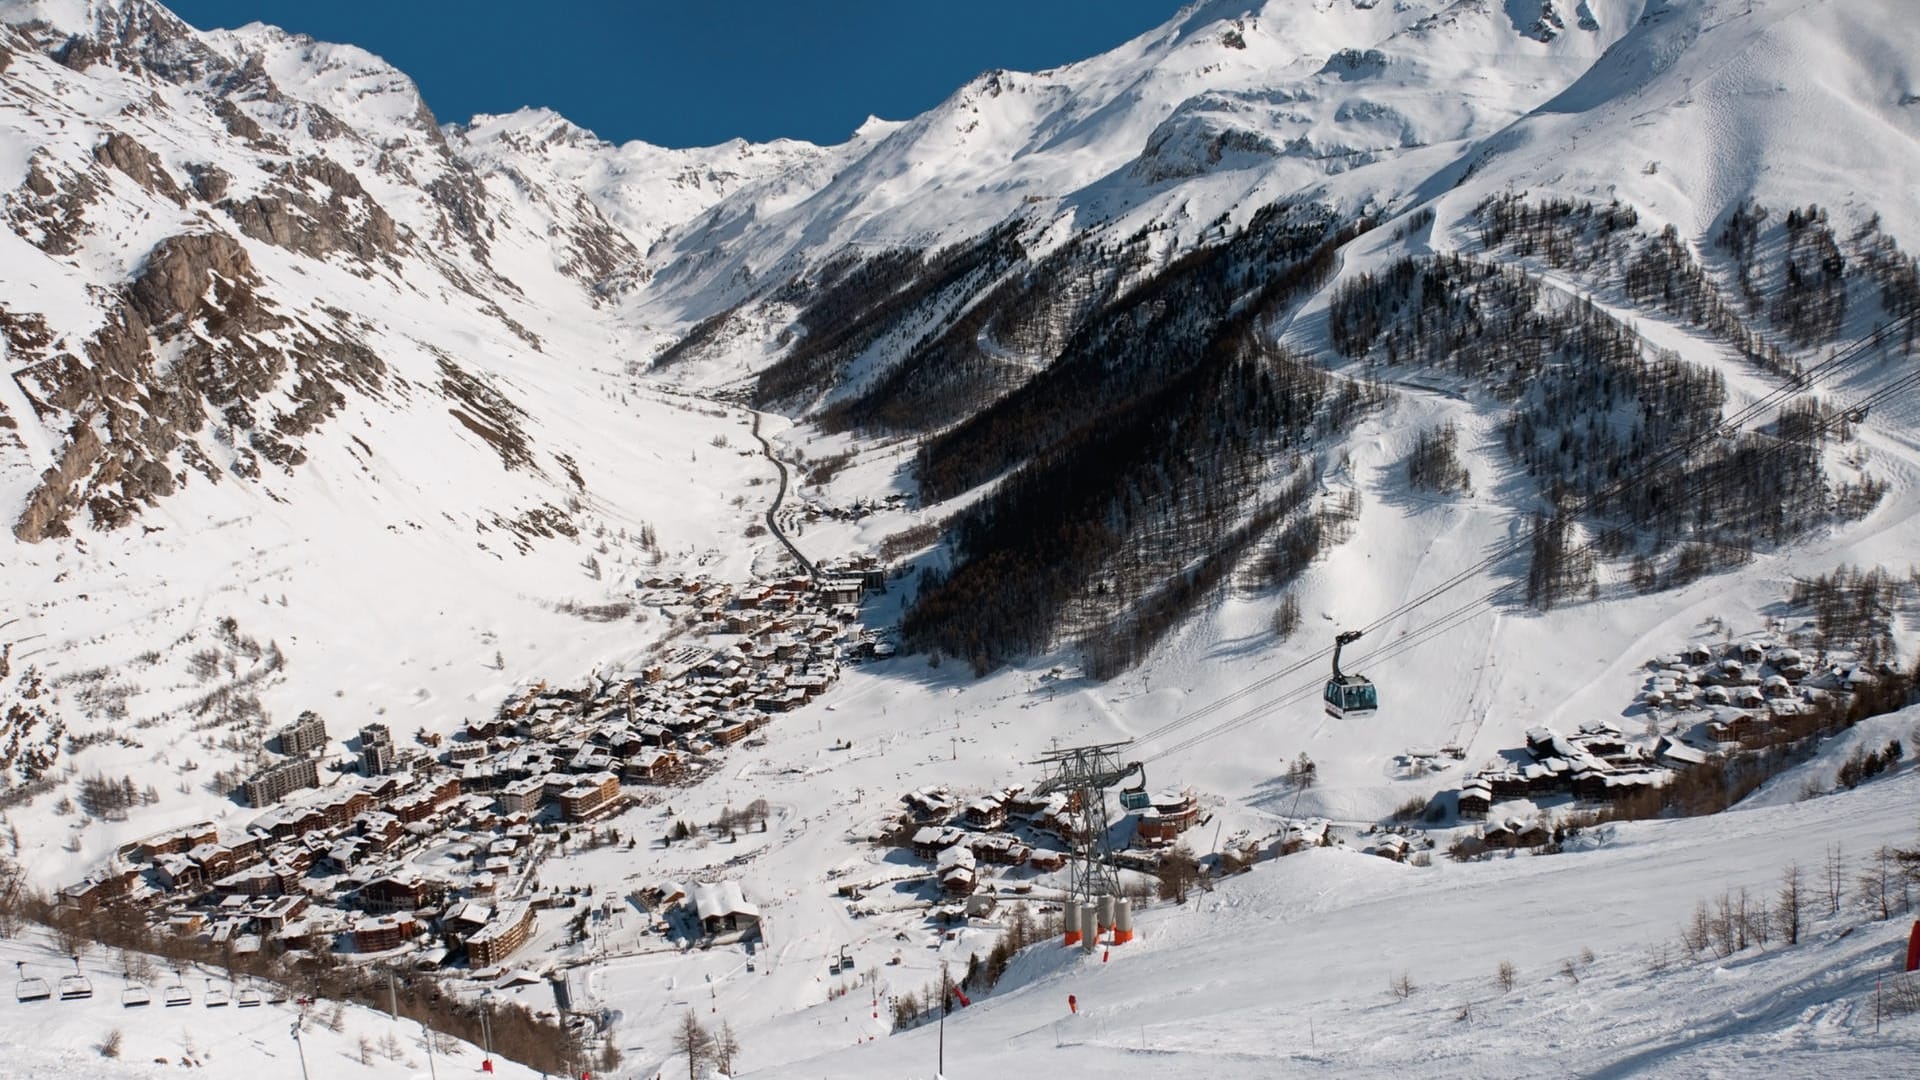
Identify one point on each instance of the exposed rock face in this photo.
(196, 294)
(49, 209)
(290, 217)
(56, 496)
(142, 165)
(175, 280)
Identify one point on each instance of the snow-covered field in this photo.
(61, 1039)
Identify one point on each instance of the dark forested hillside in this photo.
(1142, 440)
(1144, 458)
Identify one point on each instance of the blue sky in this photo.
(688, 73)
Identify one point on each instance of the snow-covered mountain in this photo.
(278, 354)
(1227, 105)
(1356, 310)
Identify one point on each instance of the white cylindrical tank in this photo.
(1070, 921)
(1122, 921)
(1106, 913)
(1090, 920)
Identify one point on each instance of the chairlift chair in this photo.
(1349, 695)
(135, 996)
(30, 987)
(276, 994)
(217, 996)
(249, 997)
(177, 994)
(75, 987)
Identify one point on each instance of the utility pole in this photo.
(1087, 772)
(486, 1024)
(945, 993)
(432, 1073)
(299, 1046)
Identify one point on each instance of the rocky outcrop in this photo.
(141, 165)
(49, 209)
(287, 215)
(131, 439)
(178, 272)
(56, 496)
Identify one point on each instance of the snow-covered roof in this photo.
(715, 898)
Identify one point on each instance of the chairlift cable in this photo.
(1802, 381)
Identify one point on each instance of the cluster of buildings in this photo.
(346, 868)
(1014, 828)
(1596, 763)
(1739, 695)
(434, 844)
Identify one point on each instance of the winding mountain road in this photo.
(773, 512)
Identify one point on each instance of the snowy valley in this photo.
(616, 588)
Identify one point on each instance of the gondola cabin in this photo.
(1351, 696)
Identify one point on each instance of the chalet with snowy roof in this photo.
(1389, 846)
(723, 911)
(1674, 754)
(259, 879)
(178, 872)
(467, 916)
(1170, 814)
(727, 730)
(929, 804)
(1514, 833)
(101, 888)
(378, 933)
(989, 811)
(780, 700)
(1476, 798)
(392, 893)
(1046, 861)
(999, 848)
(466, 753)
(1305, 834)
(177, 842)
(271, 916)
(842, 590)
(381, 830)
(214, 860)
(1789, 663)
(590, 759)
(654, 766)
(481, 776)
(347, 853)
(954, 868)
(1612, 785)
(929, 841)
